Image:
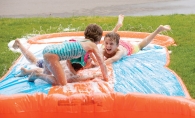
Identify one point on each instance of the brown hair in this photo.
(93, 32)
(77, 66)
(113, 36)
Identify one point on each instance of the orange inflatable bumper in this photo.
(105, 104)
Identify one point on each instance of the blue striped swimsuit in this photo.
(67, 50)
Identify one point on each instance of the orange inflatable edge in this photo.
(159, 39)
(111, 105)
(165, 40)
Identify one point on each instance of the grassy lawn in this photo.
(183, 32)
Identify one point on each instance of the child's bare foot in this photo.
(24, 72)
(16, 43)
(164, 27)
(120, 20)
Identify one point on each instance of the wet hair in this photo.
(113, 36)
(77, 66)
(93, 32)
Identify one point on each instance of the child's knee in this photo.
(50, 57)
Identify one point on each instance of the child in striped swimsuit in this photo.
(74, 64)
(53, 54)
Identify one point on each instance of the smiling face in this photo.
(110, 45)
(111, 42)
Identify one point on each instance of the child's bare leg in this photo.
(16, 44)
(48, 78)
(149, 38)
(46, 71)
(78, 78)
(28, 55)
(119, 23)
(25, 72)
(53, 65)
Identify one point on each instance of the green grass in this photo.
(183, 28)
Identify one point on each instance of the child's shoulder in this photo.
(85, 40)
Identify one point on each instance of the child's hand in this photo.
(105, 58)
(106, 78)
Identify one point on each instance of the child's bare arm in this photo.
(101, 63)
(93, 58)
(69, 64)
(116, 57)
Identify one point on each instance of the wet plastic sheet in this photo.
(144, 72)
(140, 85)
